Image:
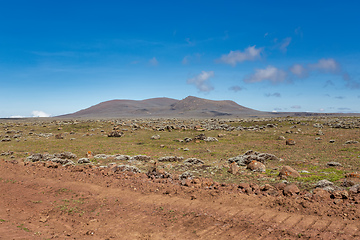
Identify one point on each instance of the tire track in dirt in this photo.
(159, 216)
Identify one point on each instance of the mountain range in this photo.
(166, 107)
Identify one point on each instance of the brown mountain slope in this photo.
(164, 107)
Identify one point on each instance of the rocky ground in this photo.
(286, 188)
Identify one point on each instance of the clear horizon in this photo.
(60, 57)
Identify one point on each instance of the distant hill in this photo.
(165, 107)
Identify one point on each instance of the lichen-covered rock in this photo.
(122, 157)
(211, 139)
(246, 158)
(193, 161)
(326, 185)
(83, 160)
(143, 158)
(171, 159)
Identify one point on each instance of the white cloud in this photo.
(201, 81)
(36, 113)
(153, 61)
(299, 70)
(284, 44)
(328, 65)
(270, 73)
(17, 116)
(234, 57)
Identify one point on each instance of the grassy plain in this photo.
(308, 156)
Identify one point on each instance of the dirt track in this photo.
(39, 202)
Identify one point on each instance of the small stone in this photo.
(287, 171)
(234, 168)
(290, 142)
(155, 137)
(332, 141)
(333, 164)
(256, 166)
(291, 190)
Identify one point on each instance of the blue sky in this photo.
(58, 57)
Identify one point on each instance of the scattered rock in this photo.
(288, 171)
(355, 189)
(122, 157)
(59, 136)
(186, 175)
(256, 166)
(193, 161)
(320, 133)
(246, 158)
(115, 134)
(83, 160)
(155, 137)
(6, 140)
(128, 168)
(142, 158)
(211, 139)
(281, 138)
(351, 142)
(333, 164)
(171, 159)
(234, 168)
(200, 137)
(325, 185)
(290, 142)
(291, 190)
(332, 141)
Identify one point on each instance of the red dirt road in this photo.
(41, 202)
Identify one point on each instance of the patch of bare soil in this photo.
(46, 201)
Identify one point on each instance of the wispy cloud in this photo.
(349, 82)
(153, 62)
(185, 60)
(284, 44)
(190, 42)
(236, 88)
(328, 83)
(272, 94)
(201, 81)
(340, 97)
(270, 73)
(298, 31)
(249, 54)
(37, 113)
(296, 107)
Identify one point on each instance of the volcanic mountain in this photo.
(165, 107)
